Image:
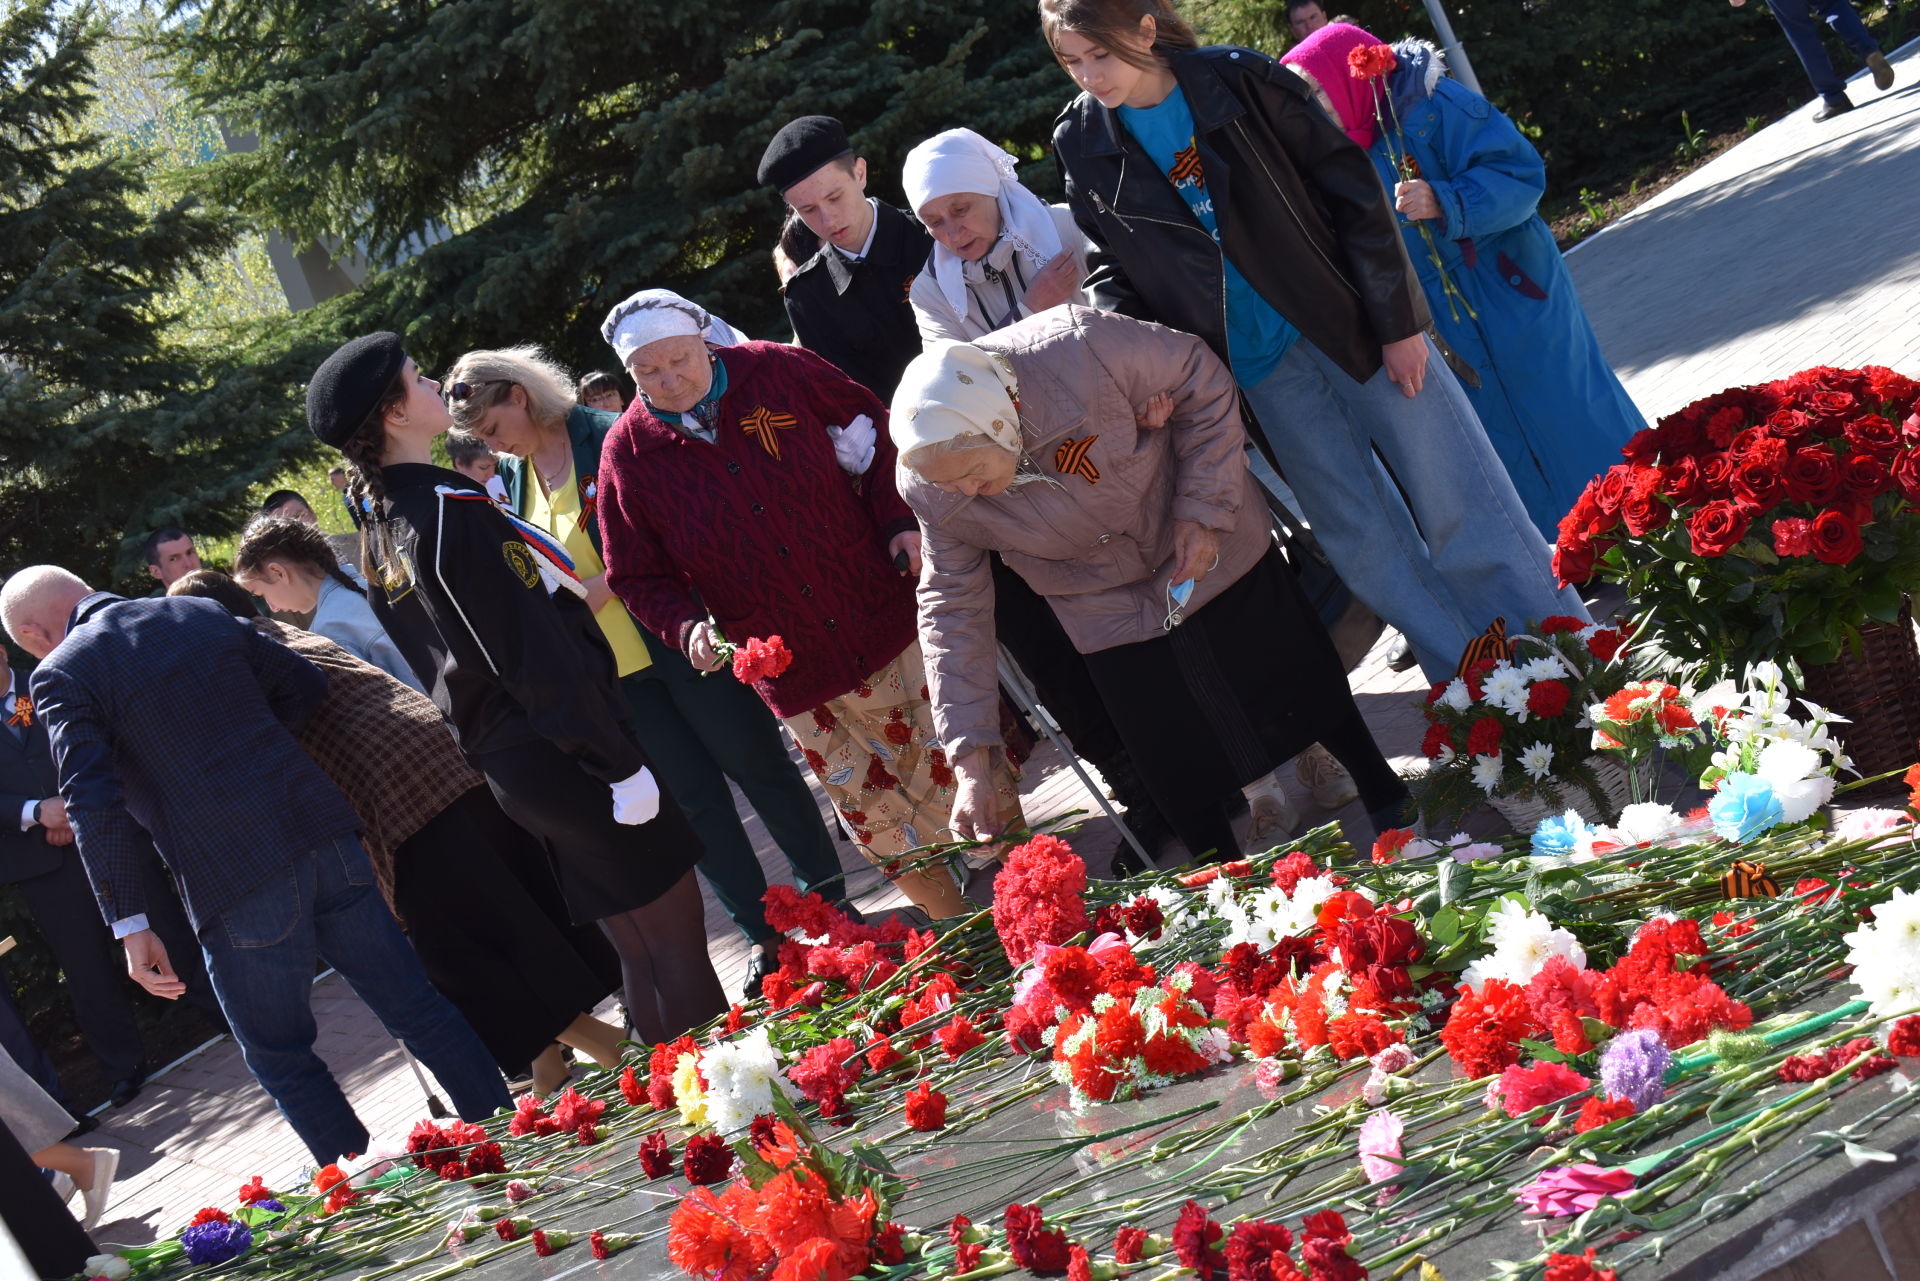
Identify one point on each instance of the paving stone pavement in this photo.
(1799, 247)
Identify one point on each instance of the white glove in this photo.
(637, 799)
(853, 445)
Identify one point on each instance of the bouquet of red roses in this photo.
(1761, 522)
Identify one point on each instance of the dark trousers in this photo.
(1796, 18)
(168, 919)
(16, 1038)
(95, 968)
(698, 732)
(48, 1233)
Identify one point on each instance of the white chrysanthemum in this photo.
(1505, 689)
(1523, 942)
(1487, 771)
(1445, 758)
(1536, 760)
(1455, 696)
(742, 1076)
(1793, 771)
(1886, 956)
(1647, 822)
(1547, 667)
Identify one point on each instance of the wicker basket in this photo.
(1524, 813)
(1877, 689)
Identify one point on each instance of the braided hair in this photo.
(285, 539)
(366, 490)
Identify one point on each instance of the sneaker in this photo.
(1882, 72)
(1273, 821)
(1401, 657)
(1829, 109)
(105, 1162)
(1325, 778)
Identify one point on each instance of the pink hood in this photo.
(1321, 60)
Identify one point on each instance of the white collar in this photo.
(872, 228)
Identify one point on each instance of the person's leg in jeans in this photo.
(1803, 33)
(357, 936)
(1355, 510)
(259, 956)
(1845, 21)
(1480, 542)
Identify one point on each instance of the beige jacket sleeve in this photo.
(1208, 439)
(957, 640)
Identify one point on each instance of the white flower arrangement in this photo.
(1523, 942)
(1885, 955)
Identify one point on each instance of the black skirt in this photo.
(484, 913)
(604, 868)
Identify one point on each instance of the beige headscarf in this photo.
(951, 389)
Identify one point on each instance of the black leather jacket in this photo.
(1300, 210)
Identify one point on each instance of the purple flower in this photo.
(216, 1242)
(270, 1205)
(1635, 1068)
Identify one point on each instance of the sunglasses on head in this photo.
(457, 392)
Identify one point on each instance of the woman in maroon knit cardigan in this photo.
(741, 497)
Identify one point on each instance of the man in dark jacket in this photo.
(849, 301)
(172, 716)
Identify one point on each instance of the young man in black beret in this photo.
(849, 301)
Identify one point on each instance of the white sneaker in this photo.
(105, 1162)
(1325, 778)
(1273, 820)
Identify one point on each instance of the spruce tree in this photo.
(519, 167)
(108, 426)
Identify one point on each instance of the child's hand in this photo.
(1154, 414)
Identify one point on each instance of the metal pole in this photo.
(1017, 687)
(1450, 44)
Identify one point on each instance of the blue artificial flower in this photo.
(1635, 1068)
(1743, 808)
(216, 1242)
(270, 1205)
(1558, 834)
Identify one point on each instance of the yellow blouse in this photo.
(559, 515)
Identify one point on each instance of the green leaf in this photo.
(1444, 928)
(1544, 1051)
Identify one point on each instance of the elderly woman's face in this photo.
(967, 223)
(673, 373)
(985, 471)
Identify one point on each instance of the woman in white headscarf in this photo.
(1000, 253)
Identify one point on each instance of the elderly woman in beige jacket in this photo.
(1152, 546)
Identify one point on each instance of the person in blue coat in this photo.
(1552, 407)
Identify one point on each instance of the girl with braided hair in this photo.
(489, 611)
(290, 565)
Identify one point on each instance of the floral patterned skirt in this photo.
(875, 751)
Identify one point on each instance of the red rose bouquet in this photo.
(1515, 727)
(1761, 522)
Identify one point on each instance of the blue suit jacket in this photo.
(172, 715)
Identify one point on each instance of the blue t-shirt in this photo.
(1257, 335)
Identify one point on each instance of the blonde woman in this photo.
(698, 733)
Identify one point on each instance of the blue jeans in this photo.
(1465, 554)
(1803, 33)
(260, 955)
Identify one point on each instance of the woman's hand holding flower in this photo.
(1416, 200)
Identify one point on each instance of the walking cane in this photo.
(1017, 686)
(435, 1108)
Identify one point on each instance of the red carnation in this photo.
(1577, 1267)
(1079, 1266)
(889, 1244)
(541, 1246)
(1547, 699)
(1195, 1241)
(1484, 1031)
(708, 1160)
(1836, 538)
(926, 1108)
(1522, 1089)
(1129, 1245)
(1325, 1248)
(597, 1244)
(881, 1055)
(760, 660)
(1257, 1251)
(1717, 527)
(958, 1228)
(254, 1190)
(1370, 62)
(1439, 739)
(1594, 1113)
(1036, 897)
(966, 1257)
(211, 1214)
(1034, 1245)
(1903, 1038)
(959, 1036)
(1483, 739)
(1605, 643)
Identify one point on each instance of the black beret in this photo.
(349, 383)
(800, 148)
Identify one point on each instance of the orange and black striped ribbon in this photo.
(1071, 459)
(764, 424)
(1492, 643)
(1747, 879)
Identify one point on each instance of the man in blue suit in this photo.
(172, 715)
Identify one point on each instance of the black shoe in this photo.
(127, 1089)
(1400, 657)
(1126, 862)
(1829, 109)
(84, 1125)
(759, 965)
(1392, 814)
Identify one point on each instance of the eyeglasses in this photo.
(458, 392)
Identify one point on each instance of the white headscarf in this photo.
(653, 314)
(958, 161)
(951, 389)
